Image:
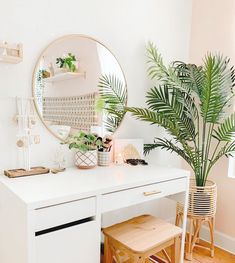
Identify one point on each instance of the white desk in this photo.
(57, 218)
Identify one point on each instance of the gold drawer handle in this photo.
(151, 193)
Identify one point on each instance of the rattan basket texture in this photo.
(202, 199)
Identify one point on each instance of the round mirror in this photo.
(78, 85)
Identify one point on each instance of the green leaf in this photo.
(112, 89)
(191, 76)
(112, 123)
(156, 67)
(155, 118)
(173, 106)
(226, 130)
(148, 147)
(169, 146)
(113, 98)
(226, 150)
(216, 92)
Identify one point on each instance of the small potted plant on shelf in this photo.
(85, 146)
(104, 149)
(42, 74)
(192, 103)
(67, 63)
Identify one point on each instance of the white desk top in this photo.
(43, 190)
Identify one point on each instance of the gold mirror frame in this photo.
(36, 66)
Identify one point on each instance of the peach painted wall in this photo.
(213, 29)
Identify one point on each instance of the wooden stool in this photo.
(139, 239)
(195, 224)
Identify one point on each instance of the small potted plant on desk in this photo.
(85, 146)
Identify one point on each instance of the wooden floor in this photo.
(202, 256)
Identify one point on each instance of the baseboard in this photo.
(222, 240)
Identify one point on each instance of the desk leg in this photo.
(184, 222)
(98, 218)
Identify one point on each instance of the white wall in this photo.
(213, 29)
(123, 25)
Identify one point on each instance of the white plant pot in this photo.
(103, 158)
(86, 160)
(61, 71)
(202, 199)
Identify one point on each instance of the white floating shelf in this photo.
(11, 53)
(65, 76)
(10, 59)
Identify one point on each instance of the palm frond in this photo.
(168, 145)
(188, 102)
(216, 92)
(113, 94)
(148, 147)
(169, 104)
(156, 67)
(112, 89)
(157, 70)
(112, 123)
(230, 151)
(226, 130)
(154, 118)
(226, 150)
(192, 77)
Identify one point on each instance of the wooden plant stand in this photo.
(195, 224)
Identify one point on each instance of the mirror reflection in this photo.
(78, 85)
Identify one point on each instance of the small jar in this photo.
(103, 158)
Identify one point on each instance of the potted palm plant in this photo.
(192, 103)
(85, 146)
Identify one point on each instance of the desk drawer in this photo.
(64, 213)
(77, 244)
(133, 196)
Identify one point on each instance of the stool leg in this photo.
(175, 250)
(177, 219)
(188, 253)
(108, 257)
(211, 223)
(166, 255)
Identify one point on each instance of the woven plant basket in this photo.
(86, 160)
(103, 158)
(202, 199)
